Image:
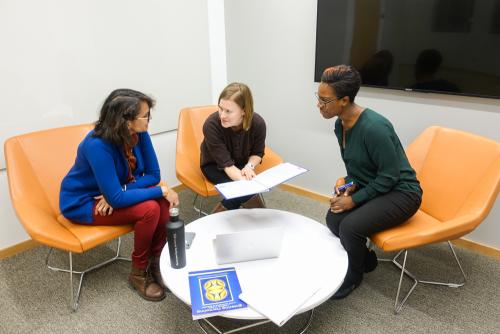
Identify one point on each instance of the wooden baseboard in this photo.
(305, 192)
(477, 247)
(468, 244)
(18, 248)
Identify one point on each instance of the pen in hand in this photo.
(342, 188)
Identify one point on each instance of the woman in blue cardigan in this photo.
(114, 181)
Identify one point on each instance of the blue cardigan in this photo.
(101, 168)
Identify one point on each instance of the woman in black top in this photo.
(385, 191)
(234, 143)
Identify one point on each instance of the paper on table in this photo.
(262, 182)
(279, 300)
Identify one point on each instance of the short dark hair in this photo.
(121, 106)
(344, 79)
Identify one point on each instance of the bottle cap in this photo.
(174, 212)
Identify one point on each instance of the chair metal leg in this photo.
(200, 209)
(202, 199)
(75, 297)
(72, 301)
(399, 304)
(263, 200)
(451, 285)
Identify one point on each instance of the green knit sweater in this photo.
(374, 158)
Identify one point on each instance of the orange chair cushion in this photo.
(91, 236)
(421, 229)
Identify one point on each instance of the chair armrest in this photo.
(191, 176)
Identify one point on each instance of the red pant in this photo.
(149, 219)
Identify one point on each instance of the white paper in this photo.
(262, 182)
(280, 299)
(240, 188)
(279, 174)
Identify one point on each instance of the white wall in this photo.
(60, 59)
(217, 38)
(271, 45)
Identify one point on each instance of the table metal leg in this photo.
(255, 324)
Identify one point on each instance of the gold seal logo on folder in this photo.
(215, 290)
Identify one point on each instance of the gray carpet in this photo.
(34, 299)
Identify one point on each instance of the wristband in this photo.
(250, 165)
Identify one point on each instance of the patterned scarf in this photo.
(131, 159)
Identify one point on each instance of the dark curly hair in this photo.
(121, 106)
(344, 79)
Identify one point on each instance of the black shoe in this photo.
(371, 261)
(344, 292)
(351, 282)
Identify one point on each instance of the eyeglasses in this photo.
(322, 102)
(147, 118)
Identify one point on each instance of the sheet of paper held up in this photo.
(262, 182)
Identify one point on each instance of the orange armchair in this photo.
(460, 175)
(36, 164)
(187, 157)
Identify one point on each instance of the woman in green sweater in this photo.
(380, 190)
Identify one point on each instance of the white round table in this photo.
(307, 245)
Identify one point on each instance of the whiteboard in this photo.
(59, 59)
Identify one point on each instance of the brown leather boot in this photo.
(154, 270)
(253, 203)
(219, 208)
(143, 283)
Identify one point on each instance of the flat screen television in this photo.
(441, 46)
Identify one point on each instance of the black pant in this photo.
(378, 214)
(216, 175)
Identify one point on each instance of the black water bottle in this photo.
(176, 240)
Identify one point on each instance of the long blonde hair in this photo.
(240, 94)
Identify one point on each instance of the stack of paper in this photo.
(261, 183)
(279, 300)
